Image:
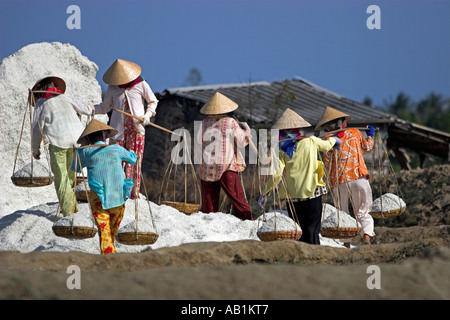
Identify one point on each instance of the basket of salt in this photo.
(75, 226)
(278, 227)
(34, 174)
(144, 234)
(187, 208)
(338, 224)
(80, 191)
(388, 205)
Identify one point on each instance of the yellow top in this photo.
(303, 172)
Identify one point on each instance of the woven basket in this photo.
(74, 232)
(137, 238)
(340, 232)
(386, 214)
(32, 182)
(279, 235)
(187, 208)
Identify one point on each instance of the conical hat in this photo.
(95, 126)
(121, 72)
(58, 82)
(219, 104)
(290, 120)
(331, 114)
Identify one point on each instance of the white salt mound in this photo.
(330, 218)
(19, 72)
(39, 170)
(82, 218)
(277, 222)
(144, 225)
(388, 202)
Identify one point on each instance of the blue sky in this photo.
(235, 41)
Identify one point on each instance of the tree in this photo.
(194, 77)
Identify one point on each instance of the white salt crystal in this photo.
(144, 225)
(388, 202)
(39, 170)
(277, 222)
(82, 218)
(330, 218)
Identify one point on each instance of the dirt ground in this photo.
(413, 261)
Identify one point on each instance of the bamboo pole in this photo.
(325, 134)
(142, 120)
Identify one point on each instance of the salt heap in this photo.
(19, 72)
(82, 218)
(38, 170)
(388, 202)
(330, 218)
(277, 222)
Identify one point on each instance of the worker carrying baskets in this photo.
(127, 93)
(302, 172)
(220, 137)
(56, 122)
(108, 189)
(348, 174)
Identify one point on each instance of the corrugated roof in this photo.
(263, 102)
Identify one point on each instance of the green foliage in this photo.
(432, 111)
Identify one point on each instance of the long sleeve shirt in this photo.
(116, 96)
(105, 173)
(56, 118)
(221, 137)
(350, 162)
(303, 172)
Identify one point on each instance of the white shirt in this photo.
(56, 118)
(115, 98)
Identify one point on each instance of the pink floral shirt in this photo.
(221, 137)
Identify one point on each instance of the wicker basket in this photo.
(279, 235)
(187, 208)
(387, 214)
(74, 232)
(32, 182)
(137, 238)
(340, 232)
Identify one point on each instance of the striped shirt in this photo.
(105, 173)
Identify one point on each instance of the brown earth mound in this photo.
(414, 263)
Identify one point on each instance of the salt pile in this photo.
(82, 218)
(330, 218)
(38, 170)
(145, 225)
(278, 222)
(388, 202)
(19, 72)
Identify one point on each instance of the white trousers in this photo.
(361, 198)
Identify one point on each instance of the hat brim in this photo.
(96, 126)
(57, 81)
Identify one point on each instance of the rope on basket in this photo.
(380, 148)
(29, 105)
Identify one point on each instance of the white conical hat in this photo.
(121, 72)
(219, 104)
(290, 120)
(331, 114)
